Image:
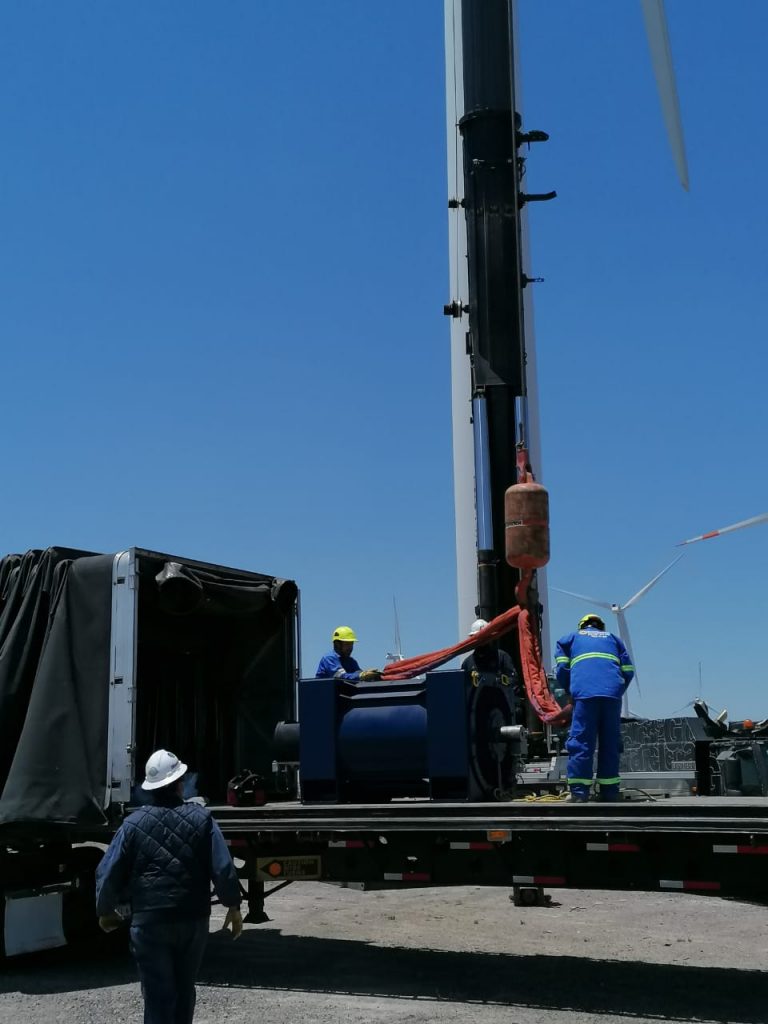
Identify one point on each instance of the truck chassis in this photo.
(711, 846)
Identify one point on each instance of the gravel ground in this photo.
(449, 955)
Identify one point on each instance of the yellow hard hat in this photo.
(591, 617)
(345, 634)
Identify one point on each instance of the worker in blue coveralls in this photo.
(594, 667)
(163, 859)
(339, 663)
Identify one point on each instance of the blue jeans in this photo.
(168, 955)
(596, 723)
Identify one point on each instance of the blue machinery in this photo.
(450, 737)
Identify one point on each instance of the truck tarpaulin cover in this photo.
(54, 660)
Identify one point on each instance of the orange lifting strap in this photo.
(534, 676)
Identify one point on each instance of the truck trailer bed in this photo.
(674, 814)
(709, 845)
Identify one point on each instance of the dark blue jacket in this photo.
(338, 666)
(163, 859)
(593, 663)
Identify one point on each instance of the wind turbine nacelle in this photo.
(526, 525)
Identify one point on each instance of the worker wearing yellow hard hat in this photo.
(345, 634)
(339, 663)
(594, 667)
(591, 618)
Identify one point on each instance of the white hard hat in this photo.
(162, 769)
(476, 626)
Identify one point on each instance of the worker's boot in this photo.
(609, 794)
(578, 793)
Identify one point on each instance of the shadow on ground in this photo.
(266, 959)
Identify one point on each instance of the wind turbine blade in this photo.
(583, 597)
(728, 529)
(663, 69)
(397, 630)
(624, 634)
(652, 583)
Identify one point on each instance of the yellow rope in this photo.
(545, 798)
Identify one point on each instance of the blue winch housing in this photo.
(438, 738)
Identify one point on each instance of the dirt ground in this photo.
(448, 955)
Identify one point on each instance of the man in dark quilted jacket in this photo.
(163, 859)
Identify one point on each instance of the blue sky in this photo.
(223, 260)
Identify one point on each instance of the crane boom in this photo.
(493, 389)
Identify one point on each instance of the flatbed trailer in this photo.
(707, 845)
(714, 846)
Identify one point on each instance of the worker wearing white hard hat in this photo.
(489, 657)
(164, 858)
(162, 769)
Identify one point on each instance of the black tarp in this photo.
(54, 670)
(215, 669)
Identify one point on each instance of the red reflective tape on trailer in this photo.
(757, 850)
(614, 847)
(688, 886)
(406, 876)
(237, 842)
(348, 844)
(538, 880)
(471, 846)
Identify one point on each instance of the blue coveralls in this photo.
(594, 667)
(164, 858)
(338, 666)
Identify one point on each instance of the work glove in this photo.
(109, 922)
(234, 921)
(370, 675)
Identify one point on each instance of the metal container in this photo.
(526, 526)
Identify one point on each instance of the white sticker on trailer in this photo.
(33, 923)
